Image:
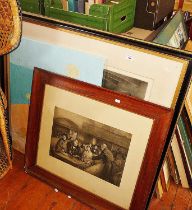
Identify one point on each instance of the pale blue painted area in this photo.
(21, 81)
(53, 58)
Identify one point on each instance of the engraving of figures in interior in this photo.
(91, 146)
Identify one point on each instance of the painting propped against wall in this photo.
(86, 57)
(92, 143)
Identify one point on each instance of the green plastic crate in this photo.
(114, 16)
(78, 18)
(30, 6)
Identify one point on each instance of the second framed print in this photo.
(92, 143)
(153, 76)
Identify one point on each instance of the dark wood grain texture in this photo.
(161, 122)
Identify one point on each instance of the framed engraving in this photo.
(92, 143)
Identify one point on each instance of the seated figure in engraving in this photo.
(61, 144)
(107, 157)
(95, 148)
(87, 154)
(73, 148)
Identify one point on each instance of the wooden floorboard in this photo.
(177, 198)
(182, 198)
(166, 202)
(20, 191)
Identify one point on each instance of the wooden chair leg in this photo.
(180, 5)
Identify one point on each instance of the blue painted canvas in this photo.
(65, 61)
(21, 81)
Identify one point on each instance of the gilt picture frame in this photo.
(67, 51)
(69, 118)
(120, 58)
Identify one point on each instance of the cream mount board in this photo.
(163, 73)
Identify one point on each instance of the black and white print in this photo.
(91, 146)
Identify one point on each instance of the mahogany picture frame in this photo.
(157, 118)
